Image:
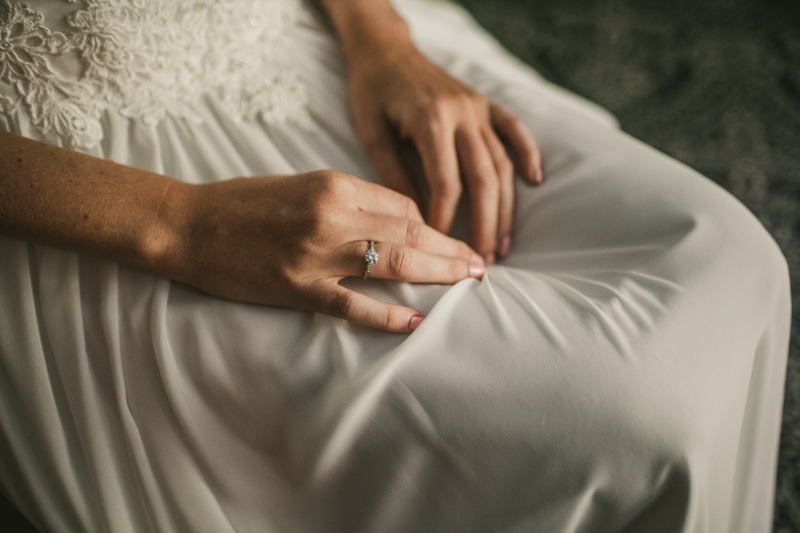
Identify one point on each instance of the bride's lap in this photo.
(624, 361)
(603, 368)
(626, 350)
(597, 371)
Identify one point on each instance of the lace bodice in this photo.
(147, 59)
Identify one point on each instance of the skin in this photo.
(395, 91)
(288, 240)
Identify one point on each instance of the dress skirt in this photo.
(621, 371)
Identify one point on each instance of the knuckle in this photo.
(400, 262)
(505, 167)
(333, 183)
(388, 319)
(432, 118)
(323, 178)
(464, 100)
(322, 217)
(322, 182)
(332, 224)
(414, 235)
(412, 209)
(479, 103)
(516, 124)
(485, 180)
(436, 110)
(476, 105)
(448, 189)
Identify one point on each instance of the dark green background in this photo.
(715, 84)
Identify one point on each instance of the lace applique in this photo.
(149, 59)
(7, 105)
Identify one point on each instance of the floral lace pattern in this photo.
(148, 59)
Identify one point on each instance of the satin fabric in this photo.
(622, 370)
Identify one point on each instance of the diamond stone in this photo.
(371, 256)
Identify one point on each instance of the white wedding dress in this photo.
(622, 370)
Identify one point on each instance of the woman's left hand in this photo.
(456, 130)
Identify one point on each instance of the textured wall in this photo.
(715, 84)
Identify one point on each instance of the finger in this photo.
(521, 139)
(404, 263)
(378, 141)
(377, 199)
(484, 190)
(383, 228)
(354, 307)
(505, 171)
(437, 150)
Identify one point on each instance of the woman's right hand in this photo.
(288, 241)
(277, 240)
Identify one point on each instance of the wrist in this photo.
(164, 242)
(369, 29)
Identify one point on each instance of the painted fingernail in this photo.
(489, 259)
(505, 246)
(476, 259)
(476, 270)
(415, 321)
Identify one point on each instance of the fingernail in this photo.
(476, 270)
(489, 259)
(538, 176)
(505, 246)
(476, 259)
(415, 321)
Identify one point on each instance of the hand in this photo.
(455, 130)
(289, 240)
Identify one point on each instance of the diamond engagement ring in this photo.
(371, 257)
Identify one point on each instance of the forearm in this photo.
(368, 26)
(84, 204)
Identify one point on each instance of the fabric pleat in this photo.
(621, 371)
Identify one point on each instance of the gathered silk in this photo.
(621, 371)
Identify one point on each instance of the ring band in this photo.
(371, 257)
